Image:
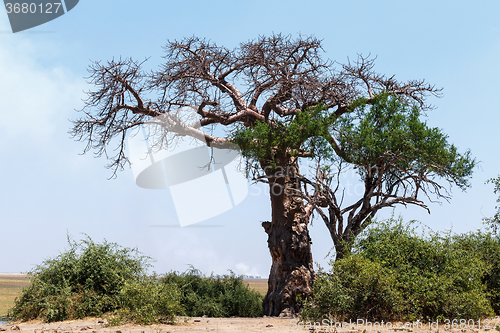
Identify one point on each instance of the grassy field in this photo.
(10, 288)
(258, 284)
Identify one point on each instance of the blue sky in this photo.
(49, 190)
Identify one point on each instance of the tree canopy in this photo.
(399, 159)
(388, 139)
(265, 79)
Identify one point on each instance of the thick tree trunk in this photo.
(292, 271)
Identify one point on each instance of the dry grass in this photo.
(10, 288)
(257, 284)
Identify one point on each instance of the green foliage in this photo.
(306, 131)
(494, 221)
(387, 132)
(487, 246)
(355, 288)
(86, 280)
(438, 275)
(383, 131)
(105, 279)
(397, 274)
(148, 301)
(215, 297)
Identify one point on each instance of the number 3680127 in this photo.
(32, 8)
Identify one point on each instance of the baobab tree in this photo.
(269, 80)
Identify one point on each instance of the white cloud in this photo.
(244, 269)
(36, 98)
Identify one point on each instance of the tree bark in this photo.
(341, 251)
(292, 271)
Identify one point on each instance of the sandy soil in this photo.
(227, 325)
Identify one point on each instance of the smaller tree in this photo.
(399, 159)
(494, 221)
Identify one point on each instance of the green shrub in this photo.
(356, 288)
(86, 280)
(148, 301)
(487, 246)
(435, 272)
(215, 297)
(95, 279)
(397, 274)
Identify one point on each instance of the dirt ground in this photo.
(229, 325)
(183, 325)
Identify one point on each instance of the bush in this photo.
(86, 280)
(148, 301)
(396, 274)
(487, 246)
(356, 288)
(439, 277)
(95, 279)
(215, 297)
